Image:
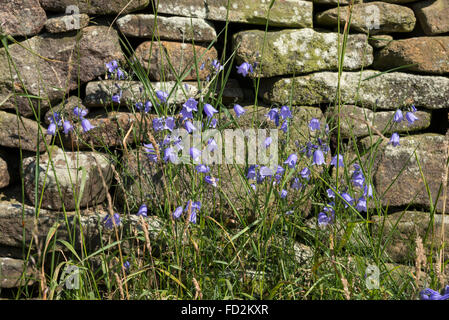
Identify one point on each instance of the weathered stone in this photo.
(398, 233)
(433, 16)
(109, 131)
(167, 60)
(335, 2)
(56, 65)
(66, 23)
(380, 41)
(19, 223)
(233, 92)
(299, 51)
(430, 54)
(65, 108)
(168, 28)
(111, 7)
(4, 174)
(359, 122)
(14, 273)
(399, 1)
(373, 17)
(24, 133)
(21, 17)
(288, 13)
(409, 188)
(99, 93)
(385, 91)
(64, 171)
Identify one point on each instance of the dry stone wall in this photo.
(61, 48)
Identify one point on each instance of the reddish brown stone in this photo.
(433, 16)
(170, 59)
(95, 6)
(21, 17)
(431, 54)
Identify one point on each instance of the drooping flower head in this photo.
(305, 173)
(162, 96)
(273, 115)
(337, 160)
(314, 124)
(86, 125)
(285, 113)
(177, 213)
(398, 117)
(209, 110)
(244, 68)
(142, 210)
(394, 140)
(291, 160)
(318, 157)
(51, 130)
(150, 152)
(195, 153)
(211, 180)
(108, 223)
(202, 168)
(410, 116)
(170, 155)
(79, 112)
(112, 66)
(67, 126)
(239, 110)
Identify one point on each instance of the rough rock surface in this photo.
(94, 6)
(21, 17)
(398, 233)
(430, 54)
(373, 17)
(99, 93)
(169, 59)
(168, 28)
(12, 273)
(359, 121)
(433, 16)
(51, 72)
(25, 133)
(380, 41)
(64, 172)
(4, 174)
(66, 23)
(299, 51)
(409, 189)
(288, 13)
(386, 91)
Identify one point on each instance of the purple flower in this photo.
(239, 110)
(51, 130)
(318, 157)
(170, 155)
(120, 74)
(285, 112)
(211, 145)
(112, 66)
(394, 140)
(148, 105)
(162, 123)
(244, 68)
(305, 173)
(195, 153)
(410, 117)
(188, 107)
(273, 115)
(80, 113)
(169, 123)
(202, 66)
(330, 193)
(195, 207)
(217, 66)
(55, 118)
(323, 219)
(337, 160)
(189, 126)
(209, 110)
(398, 117)
(85, 124)
(368, 191)
(177, 213)
(283, 193)
(201, 168)
(289, 212)
(162, 96)
(361, 205)
(413, 108)
(358, 179)
(429, 294)
(213, 123)
(126, 265)
(108, 223)
(296, 184)
(267, 142)
(116, 97)
(284, 126)
(150, 151)
(291, 160)
(67, 126)
(211, 180)
(314, 124)
(251, 172)
(347, 198)
(142, 211)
